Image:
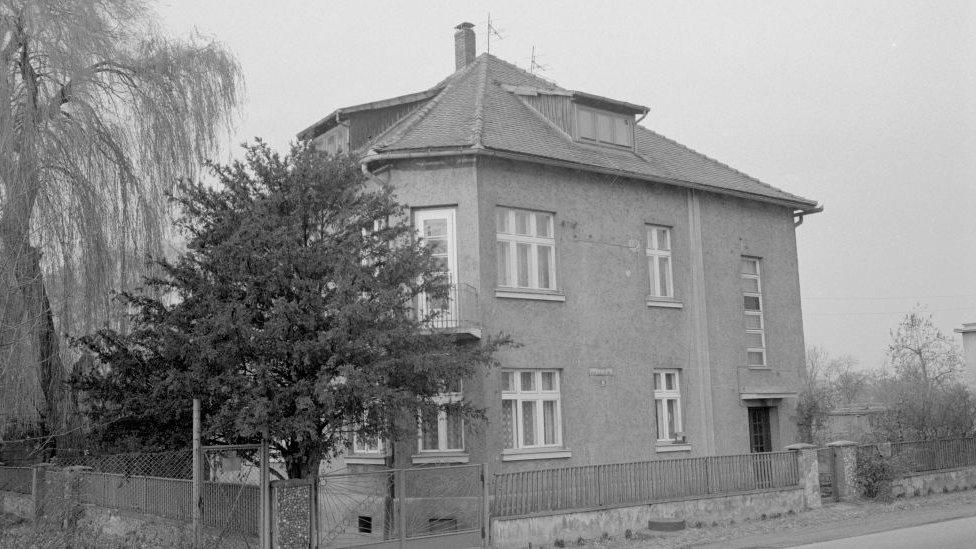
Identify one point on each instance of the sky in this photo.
(867, 107)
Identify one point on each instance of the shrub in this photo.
(874, 474)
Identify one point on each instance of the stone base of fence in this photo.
(934, 482)
(544, 530)
(18, 505)
(140, 530)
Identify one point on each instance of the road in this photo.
(950, 534)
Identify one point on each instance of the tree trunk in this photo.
(302, 460)
(38, 322)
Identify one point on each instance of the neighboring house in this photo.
(654, 290)
(968, 333)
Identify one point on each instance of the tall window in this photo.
(530, 408)
(526, 249)
(753, 308)
(667, 403)
(436, 230)
(659, 261)
(442, 430)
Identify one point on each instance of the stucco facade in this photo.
(604, 338)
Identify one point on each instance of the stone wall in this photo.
(19, 505)
(542, 530)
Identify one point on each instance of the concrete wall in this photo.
(519, 533)
(19, 505)
(604, 337)
(934, 482)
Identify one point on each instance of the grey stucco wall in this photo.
(605, 322)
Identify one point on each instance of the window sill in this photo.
(440, 457)
(540, 453)
(526, 293)
(671, 447)
(664, 302)
(365, 459)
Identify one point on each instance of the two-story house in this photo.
(654, 291)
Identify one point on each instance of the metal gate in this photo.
(825, 463)
(420, 507)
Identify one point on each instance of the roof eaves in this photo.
(325, 123)
(636, 109)
(802, 205)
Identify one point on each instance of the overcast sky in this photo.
(867, 107)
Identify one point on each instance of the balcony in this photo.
(766, 383)
(457, 314)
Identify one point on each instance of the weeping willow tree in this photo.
(100, 114)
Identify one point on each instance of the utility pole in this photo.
(197, 501)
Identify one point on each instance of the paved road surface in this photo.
(951, 534)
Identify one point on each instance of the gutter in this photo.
(800, 213)
(803, 208)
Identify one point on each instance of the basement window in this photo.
(365, 524)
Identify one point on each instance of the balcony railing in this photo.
(455, 313)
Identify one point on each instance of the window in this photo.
(362, 445)
(667, 404)
(437, 231)
(365, 524)
(530, 408)
(604, 127)
(442, 430)
(753, 308)
(659, 261)
(526, 249)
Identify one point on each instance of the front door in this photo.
(760, 438)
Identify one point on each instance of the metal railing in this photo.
(933, 455)
(595, 486)
(16, 479)
(456, 310)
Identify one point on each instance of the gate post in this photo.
(485, 510)
(844, 465)
(401, 505)
(809, 469)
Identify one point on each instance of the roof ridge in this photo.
(399, 129)
(523, 71)
(478, 128)
(719, 162)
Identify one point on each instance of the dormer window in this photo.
(599, 126)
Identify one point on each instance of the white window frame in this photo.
(654, 252)
(441, 400)
(595, 116)
(538, 396)
(448, 214)
(759, 314)
(533, 240)
(662, 395)
(362, 449)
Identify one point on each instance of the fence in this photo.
(933, 455)
(595, 486)
(16, 479)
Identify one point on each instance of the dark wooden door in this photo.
(760, 439)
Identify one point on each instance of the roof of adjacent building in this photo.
(483, 109)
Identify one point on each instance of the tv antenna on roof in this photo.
(535, 64)
(491, 29)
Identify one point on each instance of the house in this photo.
(968, 333)
(654, 290)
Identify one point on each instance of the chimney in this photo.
(463, 46)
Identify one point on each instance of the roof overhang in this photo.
(612, 104)
(766, 396)
(332, 119)
(403, 154)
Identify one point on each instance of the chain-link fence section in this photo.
(175, 464)
(231, 495)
